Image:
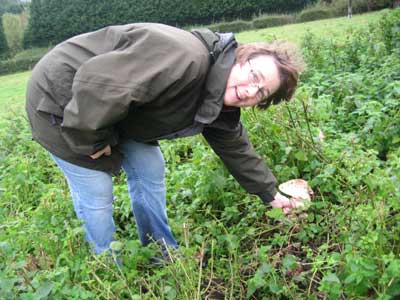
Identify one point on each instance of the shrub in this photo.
(14, 26)
(12, 6)
(13, 66)
(3, 41)
(359, 6)
(360, 78)
(235, 26)
(272, 20)
(390, 30)
(23, 61)
(33, 53)
(315, 13)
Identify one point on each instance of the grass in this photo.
(12, 92)
(334, 28)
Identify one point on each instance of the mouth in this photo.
(237, 94)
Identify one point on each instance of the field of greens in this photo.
(341, 133)
(330, 28)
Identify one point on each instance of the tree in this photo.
(14, 26)
(11, 6)
(3, 42)
(350, 9)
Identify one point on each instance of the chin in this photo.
(230, 102)
(230, 99)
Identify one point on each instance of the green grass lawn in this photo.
(294, 32)
(12, 92)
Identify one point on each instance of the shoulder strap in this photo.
(209, 40)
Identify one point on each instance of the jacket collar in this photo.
(221, 47)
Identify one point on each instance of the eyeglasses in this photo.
(255, 77)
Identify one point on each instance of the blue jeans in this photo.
(92, 195)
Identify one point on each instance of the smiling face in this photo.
(250, 83)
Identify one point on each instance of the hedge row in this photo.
(23, 61)
(16, 65)
(272, 20)
(13, 7)
(53, 21)
(337, 8)
(360, 6)
(3, 41)
(316, 13)
(234, 26)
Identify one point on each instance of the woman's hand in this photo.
(285, 203)
(105, 151)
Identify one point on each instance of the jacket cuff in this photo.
(267, 197)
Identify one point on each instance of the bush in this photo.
(32, 53)
(14, 26)
(359, 6)
(272, 20)
(13, 66)
(315, 13)
(23, 61)
(235, 26)
(10, 6)
(360, 78)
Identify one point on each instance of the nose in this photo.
(251, 91)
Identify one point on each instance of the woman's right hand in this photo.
(105, 151)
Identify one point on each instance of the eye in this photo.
(254, 77)
(255, 80)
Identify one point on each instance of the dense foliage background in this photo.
(3, 42)
(53, 21)
(12, 6)
(342, 133)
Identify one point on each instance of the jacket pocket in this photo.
(48, 106)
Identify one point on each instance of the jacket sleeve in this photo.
(233, 146)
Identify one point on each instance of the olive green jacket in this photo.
(144, 82)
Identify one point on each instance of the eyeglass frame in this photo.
(254, 81)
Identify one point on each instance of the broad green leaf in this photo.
(116, 246)
(301, 155)
(331, 277)
(275, 213)
(289, 262)
(44, 290)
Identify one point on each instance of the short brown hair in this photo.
(288, 59)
